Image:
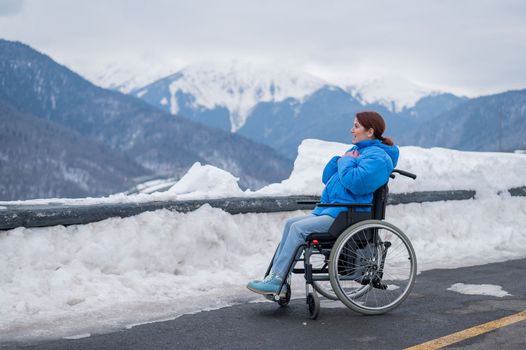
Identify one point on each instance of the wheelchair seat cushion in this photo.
(321, 236)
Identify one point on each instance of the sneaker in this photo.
(270, 285)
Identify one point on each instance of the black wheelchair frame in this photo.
(355, 251)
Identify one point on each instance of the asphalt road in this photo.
(430, 312)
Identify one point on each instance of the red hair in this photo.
(373, 120)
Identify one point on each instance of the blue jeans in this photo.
(295, 232)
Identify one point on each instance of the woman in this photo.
(351, 178)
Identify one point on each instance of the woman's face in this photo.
(359, 133)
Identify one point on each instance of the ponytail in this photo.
(386, 140)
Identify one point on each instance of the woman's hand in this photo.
(353, 153)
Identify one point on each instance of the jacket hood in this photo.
(392, 151)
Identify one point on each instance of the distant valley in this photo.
(144, 140)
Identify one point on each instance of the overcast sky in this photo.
(466, 47)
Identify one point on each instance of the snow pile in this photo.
(479, 289)
(463, 233)
(152, 186)
(488, 173)
(66, 281)
(206, 181)
(305, 178)
(436, 169)
(445, 169)
(239, 87)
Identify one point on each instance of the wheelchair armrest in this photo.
(306, 202)
(347, 205)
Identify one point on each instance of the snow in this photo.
(436, 168)
(126, 76)
(488, 173)
(122, 271)
(77, 280)
(160, 264)
(206, 182)
(393, 92)
(239, 86)
(479, 289)
(78, 336)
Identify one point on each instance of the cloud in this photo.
(10, 7)
(469, 47)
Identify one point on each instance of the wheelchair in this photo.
(364, 261)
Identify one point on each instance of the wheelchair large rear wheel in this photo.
(324, 286)
(372, 267)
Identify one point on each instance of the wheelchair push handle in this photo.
(404, 173)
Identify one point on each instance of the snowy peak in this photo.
(240, 85)
(126, 77)
(237, 86)
(393, 92)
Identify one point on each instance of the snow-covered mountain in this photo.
(147, 140)
(394, 93)
(231, 91)
(238, 87)
(126, 76)
(280, 107)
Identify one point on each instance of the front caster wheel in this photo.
(284, 295)
(313, 305)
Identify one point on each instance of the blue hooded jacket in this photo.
(353, 180)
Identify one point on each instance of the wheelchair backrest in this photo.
(380, 202)
(350, 217)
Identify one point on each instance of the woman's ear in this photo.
(370, 133)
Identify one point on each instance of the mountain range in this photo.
(42, 159)
(281, 108)
(488, 123)
(61, 135)
(154, 142)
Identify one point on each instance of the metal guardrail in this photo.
(57, 214)
(518, 191)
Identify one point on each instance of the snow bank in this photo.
(436, 168)
(65, 281)
(206, 182)
(444, 169)
(488, 173)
